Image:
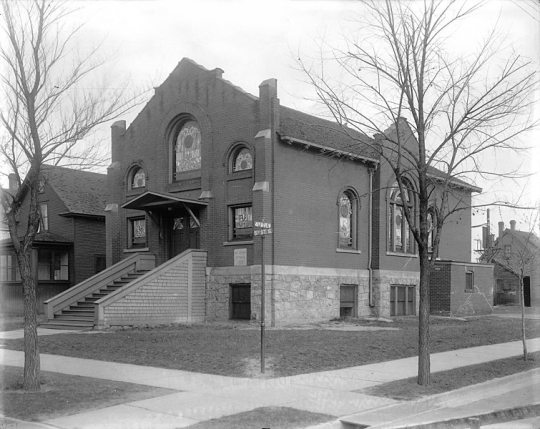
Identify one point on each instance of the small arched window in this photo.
(138, 178)
(347, 212)
(400, 239)
(187, 148)
(242, 160)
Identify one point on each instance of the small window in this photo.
(187, 149)
(242, 223)
(347, 300)
(402, 300)
(137, 178)
(242, 160)
(137, 232)
(507, 249)
(347, 208)
(43, 217)
(469, 281)
(100, 263)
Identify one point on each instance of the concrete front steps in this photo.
(81, 315)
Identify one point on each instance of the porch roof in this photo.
(155, 200)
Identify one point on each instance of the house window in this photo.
(242, 160)
(9, 270)
(53, 264)
(400, 239)
(137, 232)
(469, 281)
(507, 250)
(100, 263)
(347, 208)
(187, 149)
(242, 223)
(43, 217)
(402, 300)
(137, 178)
(347, 300)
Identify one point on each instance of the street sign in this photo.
(262, 231)
(264, 225)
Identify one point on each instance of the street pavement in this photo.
(202, 397)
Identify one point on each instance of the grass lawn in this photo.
(267, 417)
(228, 349)
(445, 381)
(62, 395)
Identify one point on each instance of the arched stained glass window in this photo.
(187, 150)
(138, 179)
(400, 239)
(347, 210)
(243, 160)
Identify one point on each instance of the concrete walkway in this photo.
(203, 397)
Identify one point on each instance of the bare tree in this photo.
(460, 108)
(50, 107)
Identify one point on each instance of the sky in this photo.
(258, 39)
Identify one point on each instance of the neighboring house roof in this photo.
(528, 240)
(84, 193)
(41, 237)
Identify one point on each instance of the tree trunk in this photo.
(522, 303)
(424, 366)
(31, 350)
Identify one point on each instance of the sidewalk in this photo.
(202, 397)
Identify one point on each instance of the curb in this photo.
(454, 398)
(474, 422)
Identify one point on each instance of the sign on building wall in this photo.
(240, 257)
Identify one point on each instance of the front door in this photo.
(185, 233)
(527, 291)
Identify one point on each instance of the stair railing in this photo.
(133, 263)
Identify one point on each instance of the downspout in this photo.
(370, 236)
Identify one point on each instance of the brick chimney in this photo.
(218, 72)
(268, 104)
(501, 229)
(513, 225)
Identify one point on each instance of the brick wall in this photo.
(172, 293)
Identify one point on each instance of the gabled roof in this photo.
(299, 126)
(441, 175)
(528, 240)
(84, 193)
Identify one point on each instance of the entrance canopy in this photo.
(154, 201)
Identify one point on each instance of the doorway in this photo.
(527, 291)
(186, 233)
(240, 302)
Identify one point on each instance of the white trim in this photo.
(237, 243)
(137, 249)
(356, 252)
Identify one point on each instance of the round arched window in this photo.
(138, 178)
(188, 148)
(243, 160)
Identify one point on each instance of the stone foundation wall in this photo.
(293, 294)
(383, 279)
